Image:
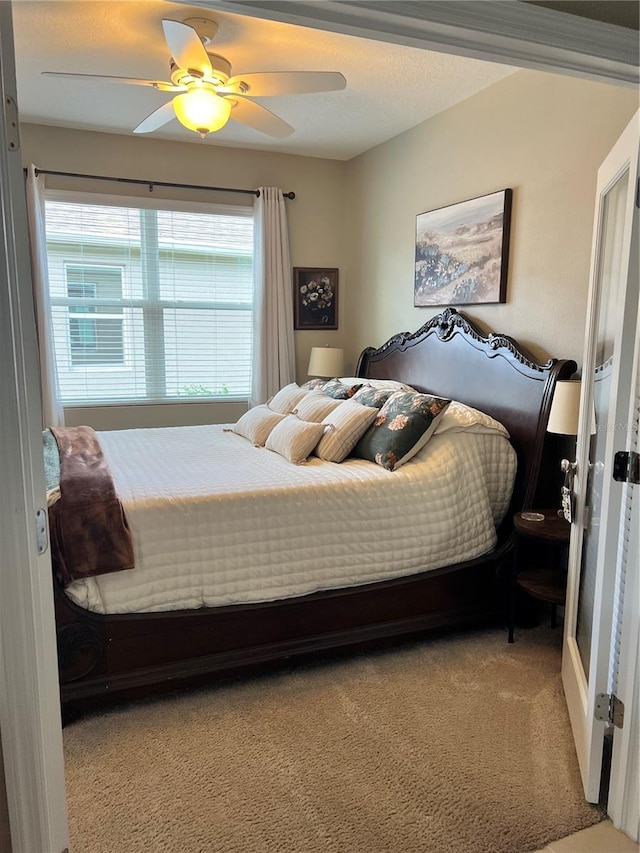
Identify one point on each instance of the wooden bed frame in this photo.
(103, 658)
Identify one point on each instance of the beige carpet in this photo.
(455, 745)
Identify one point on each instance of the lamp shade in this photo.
(326, 361)
(565, 408)
(200, 109)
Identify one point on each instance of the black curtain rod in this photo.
(152, 184)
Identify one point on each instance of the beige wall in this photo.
(315, 219)
(541, 134)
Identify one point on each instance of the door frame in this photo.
(580, 53)
(624, 784)
(502, 31)
(580, 688)
(30, 723)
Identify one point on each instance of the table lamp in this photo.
(565, 408)
(326, 361)
(563, 420)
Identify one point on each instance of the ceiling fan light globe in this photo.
(201, 110)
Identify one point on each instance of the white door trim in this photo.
(503, 31)
(624, 785)
(581, 689)
(29, 698)
(624, 788)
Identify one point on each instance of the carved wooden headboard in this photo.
(450, 357)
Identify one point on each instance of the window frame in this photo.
(158, 204)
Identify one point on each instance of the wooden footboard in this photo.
(107, 658)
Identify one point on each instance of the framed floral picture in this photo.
(315, 298)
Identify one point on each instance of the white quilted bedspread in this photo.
(216, 521)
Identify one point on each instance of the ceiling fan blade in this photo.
(259, 118)
(156, 119)
(161, 85)
(264, 84)
(186, 48)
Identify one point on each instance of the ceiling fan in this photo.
(206, 96)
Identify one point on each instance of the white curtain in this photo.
(273, 346)
(52, 411)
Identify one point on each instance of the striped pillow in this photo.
(346, 424)
(287, 398)
(294, 439)
(256, 424)
(315, 406)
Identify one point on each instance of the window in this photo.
(95, 336)
(150, 304)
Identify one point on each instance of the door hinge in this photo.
(42, 540)
(609, 709)
(11, 123)
(626, 467)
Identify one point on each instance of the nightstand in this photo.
(546, 581)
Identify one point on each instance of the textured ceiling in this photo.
(390, 88)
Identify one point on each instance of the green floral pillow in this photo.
(314, 384)
(370, 396)
(339, 390)
(403, 426)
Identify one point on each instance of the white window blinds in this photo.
(150, 304)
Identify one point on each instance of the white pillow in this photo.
(378, 384)
(315, 406)
(346, 425)
(294, 439)
(287, 398)
(462, 418)
(257, 423)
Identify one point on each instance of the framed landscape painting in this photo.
(315, 298)
(462, 252)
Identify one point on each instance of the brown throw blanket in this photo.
(89, 531)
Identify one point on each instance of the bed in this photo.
(118, 641)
